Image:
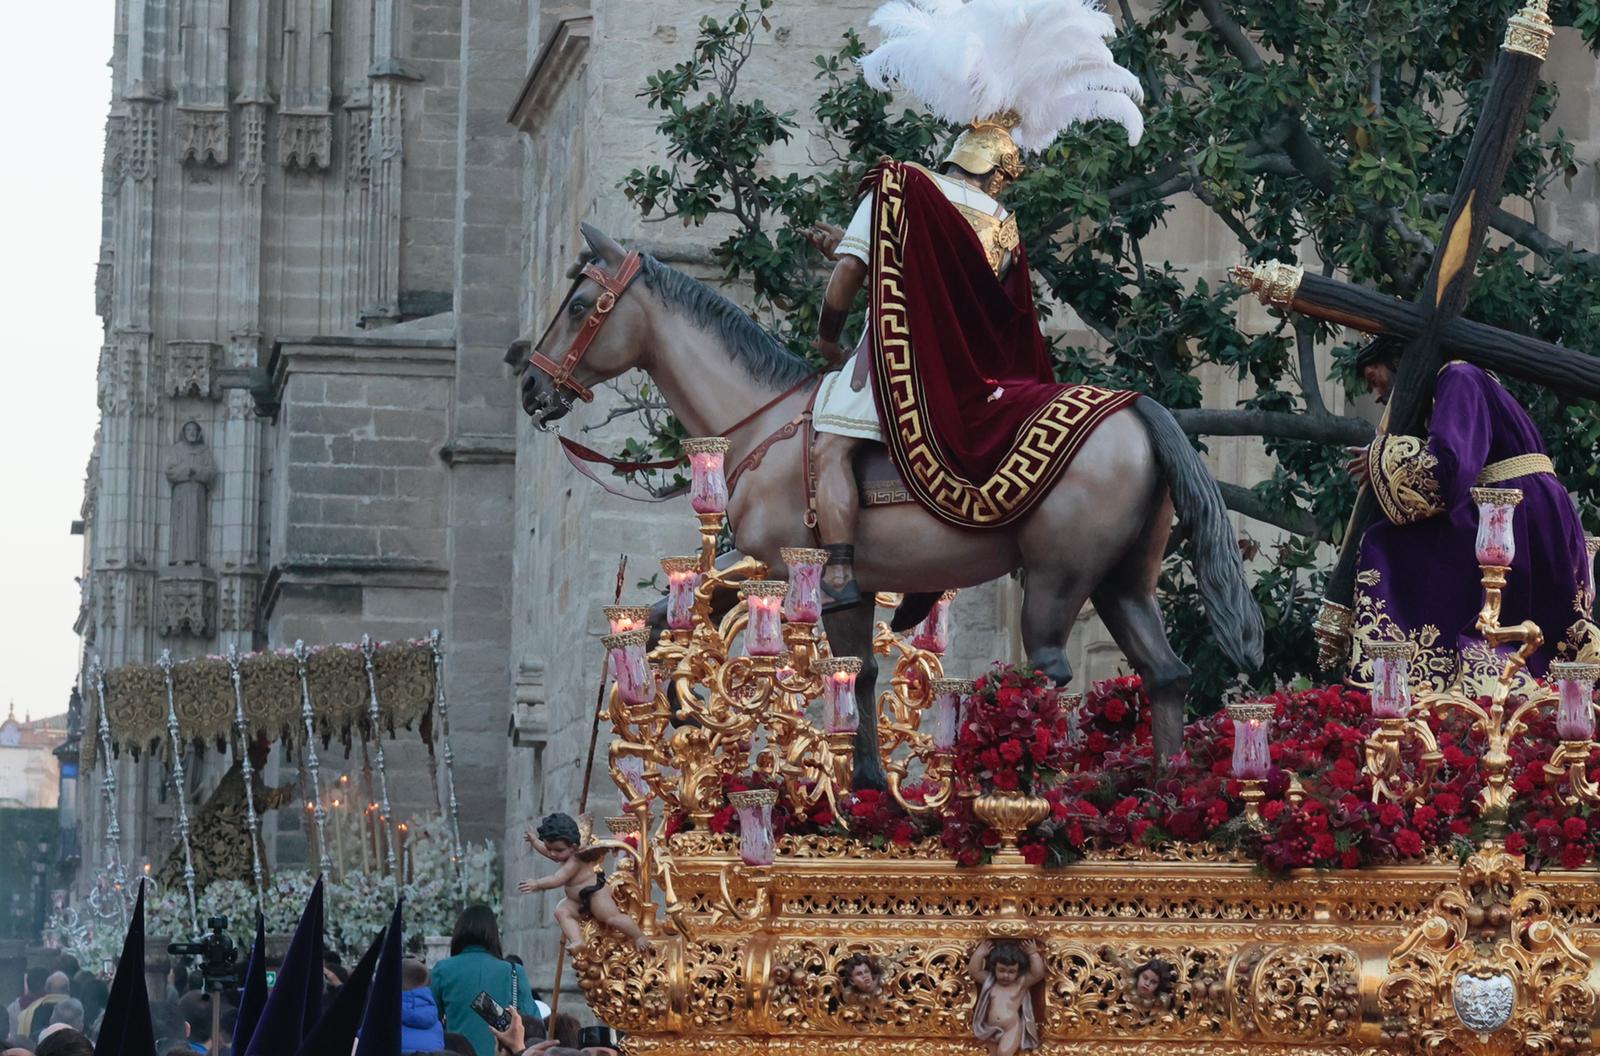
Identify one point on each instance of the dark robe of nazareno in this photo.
(1418, 576)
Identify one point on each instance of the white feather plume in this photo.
(1045, 59)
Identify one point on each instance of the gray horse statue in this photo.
(1099, 535)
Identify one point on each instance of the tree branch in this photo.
(1279, 425)
(1305, 339)
(1526, 233)
(1290, 519)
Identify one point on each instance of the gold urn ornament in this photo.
(1010, 814)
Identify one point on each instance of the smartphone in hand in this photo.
(487, 1007)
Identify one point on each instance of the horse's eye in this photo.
(578, 307)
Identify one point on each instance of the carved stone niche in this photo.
(305, 141)
(187, 598)
(202, 136)
(191, 366)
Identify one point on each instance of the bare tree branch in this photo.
(1279, 425)
(1290, 519)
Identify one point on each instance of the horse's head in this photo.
(594, 336)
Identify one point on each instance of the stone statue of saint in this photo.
(191, 470)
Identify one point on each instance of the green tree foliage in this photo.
(1328, 134)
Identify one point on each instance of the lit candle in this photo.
(624, 618)
(757, 845)
(404, 858)
(635, 681)
(1497, 542)
(1575, 695)
(1391, 678)
(1252, 725)
(763, 632)
(338, 834)
(839, 692)
(683, 579)
(933, 633)
(803, 603)
(708, 488)
(948, 694)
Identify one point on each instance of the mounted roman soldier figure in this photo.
(953, 374)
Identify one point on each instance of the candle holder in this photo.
(1500, 719)
(933, 633)
(683, 579)
(1391, 706)
(636, 683)
(624, 618)
(757, 843)
(839, 692)
(763, 632)
(708, 487)
(1391, 678)
(948, 693)
(803, 603)
(1252, 754)
(1569, 763)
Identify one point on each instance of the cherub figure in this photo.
(1006, 972)
(860, 976)
(1147, 987)
(569, 844)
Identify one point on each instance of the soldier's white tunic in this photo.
(841, 409)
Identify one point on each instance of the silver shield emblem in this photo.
(1484, 1003)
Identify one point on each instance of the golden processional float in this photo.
(1174, 949)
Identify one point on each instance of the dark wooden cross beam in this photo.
(1289, 288)
(1432, 321)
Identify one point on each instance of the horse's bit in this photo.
(612, 287)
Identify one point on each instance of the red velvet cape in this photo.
(946, 334)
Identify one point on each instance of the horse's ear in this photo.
(603, 246)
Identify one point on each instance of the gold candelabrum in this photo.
(742, 681)
(1499, 707)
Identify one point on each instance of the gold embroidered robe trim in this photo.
(1401, 472)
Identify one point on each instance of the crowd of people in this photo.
(60, 1009)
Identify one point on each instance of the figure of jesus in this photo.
(1003, 1017)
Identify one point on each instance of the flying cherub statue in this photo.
(571, 845)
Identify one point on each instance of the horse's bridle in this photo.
(612, 287)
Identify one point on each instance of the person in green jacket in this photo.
(476, 964)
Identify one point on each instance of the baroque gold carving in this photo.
(1492, 969)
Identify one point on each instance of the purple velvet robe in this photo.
(1418, 575)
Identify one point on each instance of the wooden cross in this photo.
(1431, 323)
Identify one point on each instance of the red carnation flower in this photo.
(1408, 842)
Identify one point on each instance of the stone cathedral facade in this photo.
(325, 221)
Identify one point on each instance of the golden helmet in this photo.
(987, 145)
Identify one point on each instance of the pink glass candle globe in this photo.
(624, 618)
(757, 843)
(803, 602)
(631, 767)
(1575, 699)
(1252, 752)
(636, 683)
(683, 579)
(1391, 678)
(839, 692)
(948, 693)
(1497, 542)
(708, 488)
(933, 633)
(763, 632)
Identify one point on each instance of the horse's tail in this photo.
(1219, 569)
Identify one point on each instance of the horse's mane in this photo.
(747, 343)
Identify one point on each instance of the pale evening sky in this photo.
(54, 90)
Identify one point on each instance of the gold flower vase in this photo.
(1010, 814)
